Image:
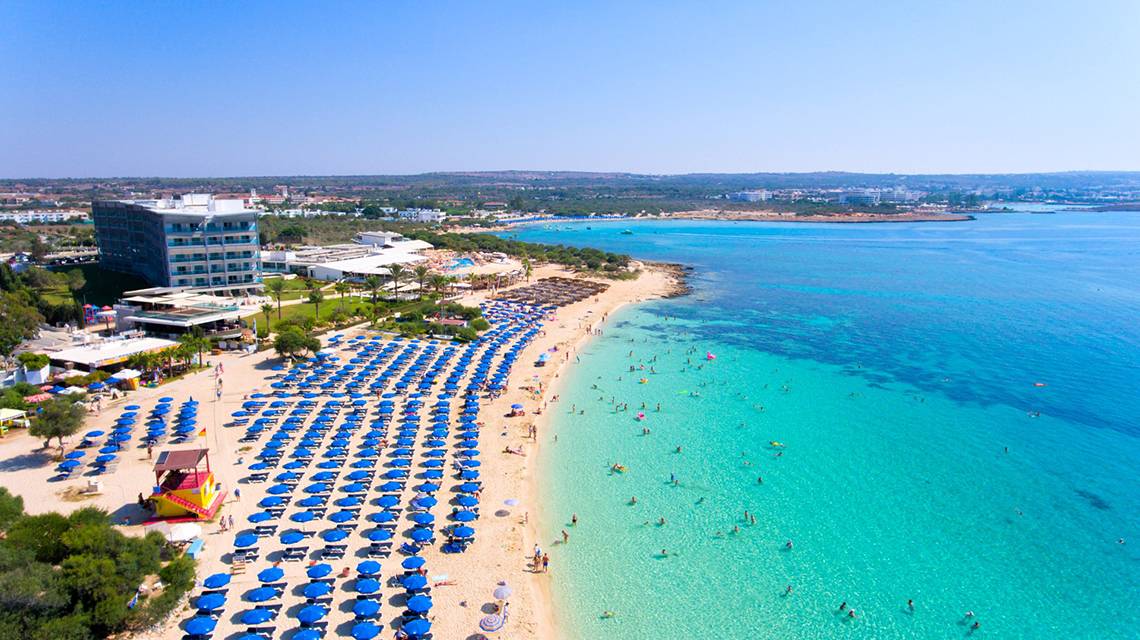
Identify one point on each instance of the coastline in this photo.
(505, 534)
(756, 216)
(533, 607)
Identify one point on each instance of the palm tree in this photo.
(397, 273)
(276, 287)
(527, 268)
(373, 284)
(341, 288)
(195, 341)
(439, 283)
(316, 297)
(266, 308)
(422, 273)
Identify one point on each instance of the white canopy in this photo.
(126, 374)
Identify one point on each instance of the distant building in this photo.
(55, 217)
(757, 195)
(430, 216)
(194, 241)
(864, 197)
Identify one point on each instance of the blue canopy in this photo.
(367, 585)
(419, 604)
(319, 570)
(261, 594)
(366, 608)
(379, 535)
(317, 590)
(210, 601)
(365, 630)
(272, 574)
(216, 581)
(412, 562)
(368, 568)
(200, 626)
(257, 615)
(245, 540)
(311, 614)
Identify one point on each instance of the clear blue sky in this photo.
(277, 88)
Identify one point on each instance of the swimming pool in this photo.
(460, 263)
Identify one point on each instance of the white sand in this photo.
(503, 542)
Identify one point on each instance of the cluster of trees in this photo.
(25, 303)
(74, 577)
(575, 257)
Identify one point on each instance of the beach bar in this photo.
(183, 487)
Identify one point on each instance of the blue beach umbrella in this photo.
(413, 582)
(317, 590)
(261, 594)
(365, 630)
(419, 604)
(260, 516)
(216, 581)
(368, 568)
(279, 489)
(272, 574)
(257, 615)
(307, 634)
(387, 501)
(303, 516)
(292, 537)
(311, 614)
(210, 601)
(466, 501)
(420, 534)
(464, 516)
(319, 570)
(272, 501)
(69, 464)
(342, 516)
(201, 625)
(245, 540)
(334, 535)
(379, 535)
(381, 517)
(366, 608)
(423, 518)
(367, 585)
(463, 532)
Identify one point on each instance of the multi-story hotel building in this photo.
(195, 241)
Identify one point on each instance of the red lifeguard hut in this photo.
(184, 487)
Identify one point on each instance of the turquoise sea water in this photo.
(896, 363)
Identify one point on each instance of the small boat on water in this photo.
(627, 232)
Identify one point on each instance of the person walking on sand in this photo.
(546, 563)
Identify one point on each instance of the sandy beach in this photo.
(506, 535)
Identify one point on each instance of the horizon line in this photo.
(577, 171)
